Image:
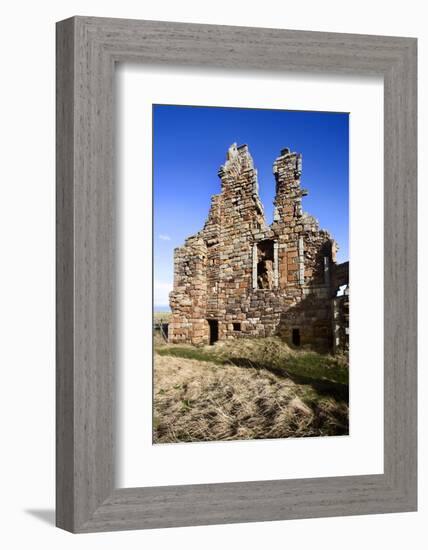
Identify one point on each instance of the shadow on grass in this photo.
(322, 373)
(322, 386)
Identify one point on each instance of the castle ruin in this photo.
(239, 277)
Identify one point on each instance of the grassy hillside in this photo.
(247, 389)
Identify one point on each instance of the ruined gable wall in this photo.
(306, 256)
(303, 246)
(223, 278)
(217, 271)
(242, 217)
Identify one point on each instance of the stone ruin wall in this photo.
(251, 278)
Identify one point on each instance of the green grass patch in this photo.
(325, 374)
(317, 366)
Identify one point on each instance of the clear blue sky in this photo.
(190, 144)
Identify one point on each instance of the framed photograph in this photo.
(259, 292)
(236, 274)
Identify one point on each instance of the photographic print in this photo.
(251, 274)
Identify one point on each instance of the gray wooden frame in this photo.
(87, 50)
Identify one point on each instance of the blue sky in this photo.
(190, 144)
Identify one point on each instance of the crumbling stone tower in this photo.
(240, 277)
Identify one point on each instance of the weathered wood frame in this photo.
(87, 50)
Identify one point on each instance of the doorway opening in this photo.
(295, 336)
(213, 332)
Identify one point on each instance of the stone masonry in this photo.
(239, 277)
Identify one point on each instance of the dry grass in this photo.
(164, 316)
(217, 398)
(270, 354)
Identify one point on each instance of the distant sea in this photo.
(161, 309)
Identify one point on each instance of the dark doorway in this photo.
(295, 337)
(213, 336)
(163, 329)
